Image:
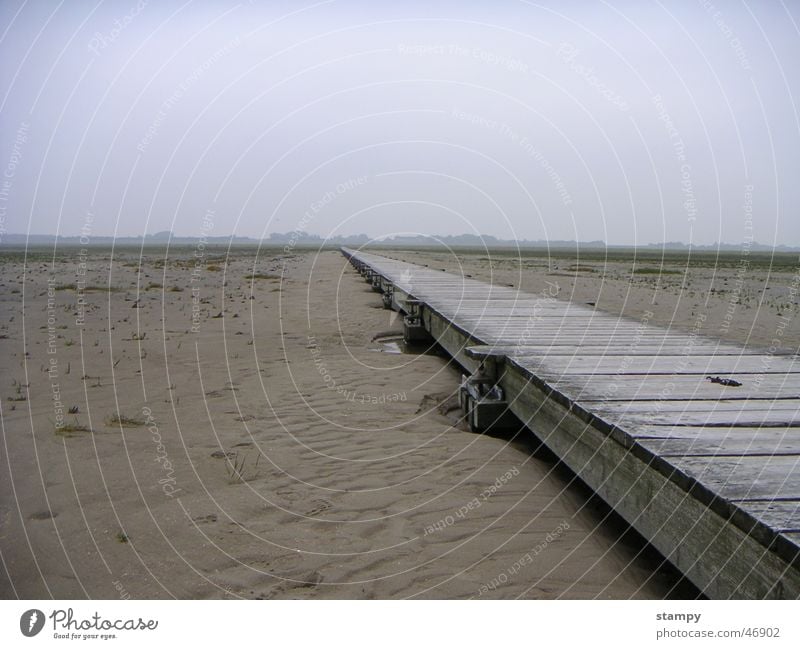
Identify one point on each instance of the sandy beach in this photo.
(215, 424)
(354, 301)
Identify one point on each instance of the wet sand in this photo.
(240, 437)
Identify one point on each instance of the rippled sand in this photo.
(239, 437)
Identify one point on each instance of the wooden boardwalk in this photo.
(708, 473)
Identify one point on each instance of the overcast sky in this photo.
(630, 122)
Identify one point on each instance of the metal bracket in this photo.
(413, 307)
(388, 297)
(481, 397)
(413, 326)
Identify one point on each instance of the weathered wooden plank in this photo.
(620, 336)
(745, 478)
(569, 343)
(556, 365)
(592, 344)
(677, 386)
(471, 307)
(781, 515)
(718, 441)
(608, 346)
(741, 406)
(476, 308)
(685, 432)
(749, 418)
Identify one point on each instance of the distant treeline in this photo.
(305, 239)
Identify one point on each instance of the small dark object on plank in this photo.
(729, 382)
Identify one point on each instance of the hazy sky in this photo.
(630, 122)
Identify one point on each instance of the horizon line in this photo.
(296, 239)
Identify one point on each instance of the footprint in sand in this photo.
(320, 505)
(210, 518)
(310, 581)
(289, 494)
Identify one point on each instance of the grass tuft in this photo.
(92, 288)
(122, 420)
(656, 271)
(269, 276)
(237, 471)
(73, 429)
